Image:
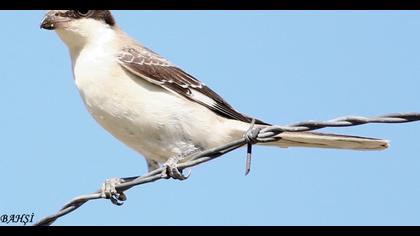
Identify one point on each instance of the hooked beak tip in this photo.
(47, 26)
(48, 23)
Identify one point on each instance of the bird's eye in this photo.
(84, 13)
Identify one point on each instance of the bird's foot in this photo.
(172, 171)
(109, 191)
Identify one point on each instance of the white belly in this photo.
(149, 119)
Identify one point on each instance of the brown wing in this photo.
(151, 67)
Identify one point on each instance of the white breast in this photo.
(149, 119)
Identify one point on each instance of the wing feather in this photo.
(155, 69)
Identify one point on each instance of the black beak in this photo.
(52, 20)
(48, 22)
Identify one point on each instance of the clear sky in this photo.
(280, 66)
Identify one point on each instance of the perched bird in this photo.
(153, 106)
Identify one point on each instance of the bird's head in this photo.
(78, 27)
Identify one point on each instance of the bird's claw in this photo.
(109, 191)
(172, 171)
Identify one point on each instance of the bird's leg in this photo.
(109, 191)
(172, 171)
(152, 165)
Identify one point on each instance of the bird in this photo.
(154, 106)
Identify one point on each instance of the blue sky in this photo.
(280, 66)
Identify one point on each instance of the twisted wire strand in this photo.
(264, 135)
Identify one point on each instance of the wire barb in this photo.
(115, 191)
(251, 138)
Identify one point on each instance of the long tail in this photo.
(325, 140)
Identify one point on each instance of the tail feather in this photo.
(325, 140)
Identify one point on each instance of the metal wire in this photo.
(253, 136)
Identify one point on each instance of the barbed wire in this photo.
(113, 189)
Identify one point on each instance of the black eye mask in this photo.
(104, 15)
